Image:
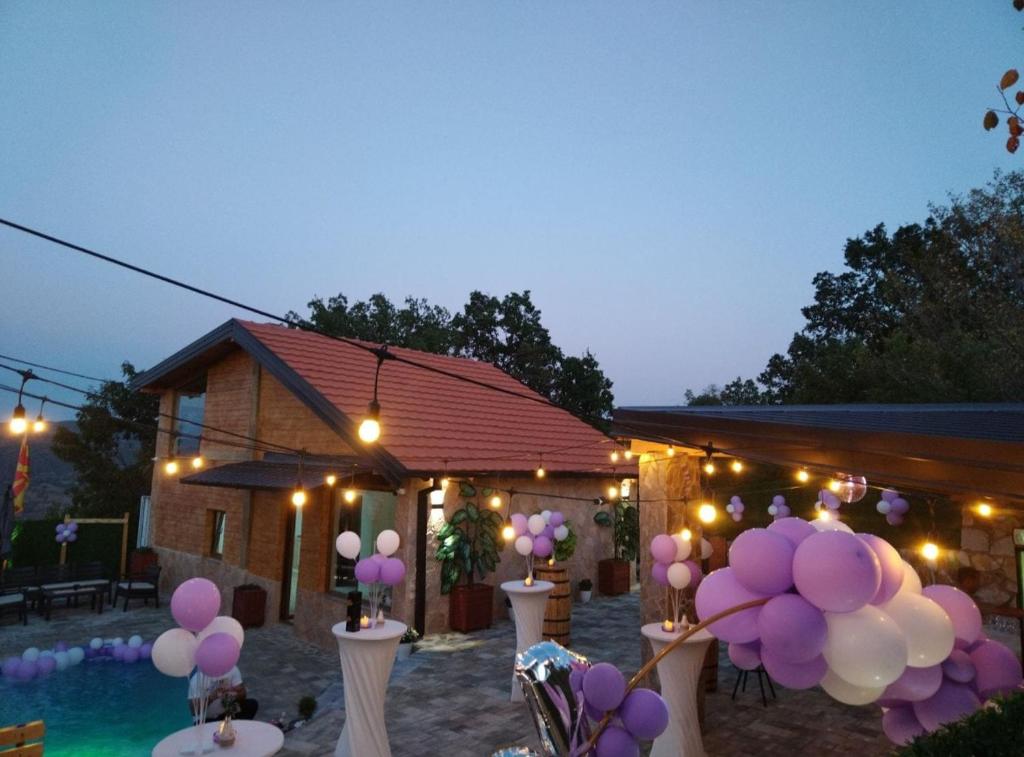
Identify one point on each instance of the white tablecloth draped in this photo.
(253, 739)
(528, 603)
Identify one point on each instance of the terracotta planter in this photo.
(470, 607)
(613, 577)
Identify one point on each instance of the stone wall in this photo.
(986, 544)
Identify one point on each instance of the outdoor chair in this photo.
(15, 600)
(742, 678)
(20, 580)
(23, 740)
(142, 587)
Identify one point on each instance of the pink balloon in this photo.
(392, 571)
(901, 725)
(794, 529)
(367, 571)
(217, 654)
(892, 567)
(542, 546)
(950, 703)
(745, 656)
(659, 572)
(721, 591)
(195, 604)
(800, 675)
(915, 685)
(519, 523)
(961, 609)
(556, 519)
(663, 549)
(997, 669)
(836, 571)
(696, 574)
(793, 628)
(763, 561)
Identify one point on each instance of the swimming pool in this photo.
(99, 708)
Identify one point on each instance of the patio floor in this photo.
(451, 697)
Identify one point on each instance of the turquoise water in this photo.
(99, 708)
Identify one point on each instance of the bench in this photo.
(22, 740)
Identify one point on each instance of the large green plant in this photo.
(625, 519)
(992, 731)
(468, 545)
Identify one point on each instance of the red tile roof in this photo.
(428, 418)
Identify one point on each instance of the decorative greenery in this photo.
(586, 584)
(564, 549)
(626, 523)
(991, 731)
(410, 636)
(307, 706)
(468, 545)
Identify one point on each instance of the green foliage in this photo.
(35, 544)
(586, 584)
(111, 450)
(504, 331)
(410, 636)
(307, 706)
(468, 545)
(567, 547)
(991, 731)
(626, 522)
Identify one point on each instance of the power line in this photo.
(55, 370)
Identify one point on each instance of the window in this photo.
(189, 406)
(217, 528)
(371, 513)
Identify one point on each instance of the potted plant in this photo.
(586, 587)
(613, 573)
(307, 706)
(407, 642)
(468, 550)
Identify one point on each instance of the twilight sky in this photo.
(666, 177)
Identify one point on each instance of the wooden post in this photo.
(64, 544)
(124, 545)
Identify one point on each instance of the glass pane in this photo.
(293, 593)
(219, 525)
(189, 407)
(371, 513)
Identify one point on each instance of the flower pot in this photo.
(470, 607)
(613, 577)
(585, 596)
(404, 650)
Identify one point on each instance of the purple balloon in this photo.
(592, 712)
(900, 506)
(958, 667)
(659, 572)
(901, 725)
(737, 517)
(89, 652)
(745, 656)
(799, 675)
(663, 549)
(644, 713)
(542, 546)
(696, 574)
(146, 651)
(721, 591)
(46, 665)
(894, 519)
(616, 742)
(794, 529)
(961, 609)
(367, 571)
(61, 537)
(10, 667)
(119, 652)
(889, 494)
(392, 571)
(915, 685)
(778, 500)
(195, 604)
(72, 527)
(830, 500)
(836, 571)
(603, 686)
(217, 654)
(131, 655)
(556, 519)
(762, 561)
(795, 629)
(950, 703)
(998, 670)
(70, 536)
(518, 523)
(60, 646)
(548, 532)
(378, 558)
(26, 670)
(891, 564)
(60, 528)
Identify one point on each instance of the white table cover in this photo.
(679, 673)
(528, 603)
(253, 739)
(367, 657)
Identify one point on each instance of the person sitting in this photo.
(216, 690)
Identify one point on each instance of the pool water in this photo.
(99, 708)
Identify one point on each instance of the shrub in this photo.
(993, 731)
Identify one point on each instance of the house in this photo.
(302, 396)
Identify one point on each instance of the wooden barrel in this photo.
(558, 612)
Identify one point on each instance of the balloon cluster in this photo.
(892, 506)
(536, 536)
(67, 532)
(378, 570)
(204, 640)
(673, 569)
(735, 508)
(36, 663)
(845, 611)
(827, 501)
(640, 715)
(118, 649)
(778, 508)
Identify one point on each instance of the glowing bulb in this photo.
(350, 495)
(709, 467)
(707, 513)
(508, 533)
(737, 466)
(985, 510)
(803, 476)
(541, 472)
(18, 422)
(171, 467)
(614, 456)
(628, 454)
(330, 479)
(834, 485)
(299, 497)
(613, 492)
(824, 514)
(930, 551)
(671, 451)
(444, 482)
(197, 462)
(369, 430)
(496, 501)
(39, 425)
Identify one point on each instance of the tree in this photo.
(1014, 125)
(506, 332)
(111, 449)
(737, 392)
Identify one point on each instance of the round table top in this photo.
(390, 629)
(520, 587)
(253, 739)
(654, 631)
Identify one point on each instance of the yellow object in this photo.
(299, 497)
(687, 534)
(613, 492)
(496, 501)
(668, 626)
(18, 425)
(985, 510)
(671, 451)
(707, 513)
(541, 472)
(803, 476)
(171, 467)
(330, 479)
(508, 533)
(737, 466)
(369, 430)
(824, 515)
(350, 495)
(614, 456)
(628, 454)
(39, 425)
(197, 462)
(709, 467)
(930, 551)
(834, 485)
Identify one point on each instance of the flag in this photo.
(21, 477)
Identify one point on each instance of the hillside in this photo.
(51, 477)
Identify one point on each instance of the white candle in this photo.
(668, 626)
(364, 622)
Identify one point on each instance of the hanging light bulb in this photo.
(495, 501)
(299, 496)
(614, 456)
(824, 514)
(984, 509)
(350, 495)
(171, 467)
(834, 485)
(508, 533)
(18, 421)
(709, 467)
(330, 479)
(737, 466)
(707, 513)
(369, 429)
(930, 551)
(803, 476)
(197, 462)
(39, 425)
(628, 454)
(540, 472)
(613, 492)
(671, 451)
(687, 534)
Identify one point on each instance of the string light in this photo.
(171, 467)
(496, 501)
(803, 476)
(508, 533)
(709, 467)
(299, 497)
(350, 495)
(737, 466)
(628, 454)
(18, 422)
(930, 551)
(540, 472)
(824, 515)
(834, 485)
(984, 509)
(197, 462)
(369, 429)
(613, 492)
(330, 479)
(671, 451)
(39, 426)
(687, 534)
(707, 513)
(614, 456)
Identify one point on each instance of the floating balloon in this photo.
(836, 571)
(891, 564)
(223, 624)
(616, 742)
(392, 572)
(367, 571)
(794, 529)
(174, 652)
(915, 685)
(217, 654)
(705, 549)
(659, 572)
(997, 669)
(519, 524)
(546, 515)
(950, 703)
(46, 665)
(926, 627)
(794, 675)
(31, 654)
(663, 549)
(542, 546)
(135, 641)
(901, 725)
(195, 603)
(561, 532)
(793, 628)
(964, 614)
(959, 667)
(604, 686)
(644, 714)
(683, 547)
(387, 542)
(911, 581)
(865, 647)
(745, 656)
(721, 591)
(535, 524)
(556, 519)
(849, 693)
(762, 561)
(678, 575)
(96, 643)
(524, 545)
(696, 574)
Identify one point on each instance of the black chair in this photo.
(15, 600)
(143, 586)
(93, 574)
(21, 581)
(742, 678)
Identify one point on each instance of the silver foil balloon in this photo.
(852, 488)
(547, 672)
(515, 751)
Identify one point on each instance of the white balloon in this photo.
(46, 653)
(524, 545)
(865, 647)
(678, 575)
(387, 542)
(135, 641)
(848, 693)
(96, 643)
(174, 652)
(31, 654)
(728, 508)
(773, 510)
(546, 515)
(76, 655)
(926, 626)
(832, 524)
(536, 524)
(883, 507)
(911, 581)
(561, 533)
(683, 547)
(224, 624)
(62, 660)
(117, 641)
(705, 549)
(348, 544)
